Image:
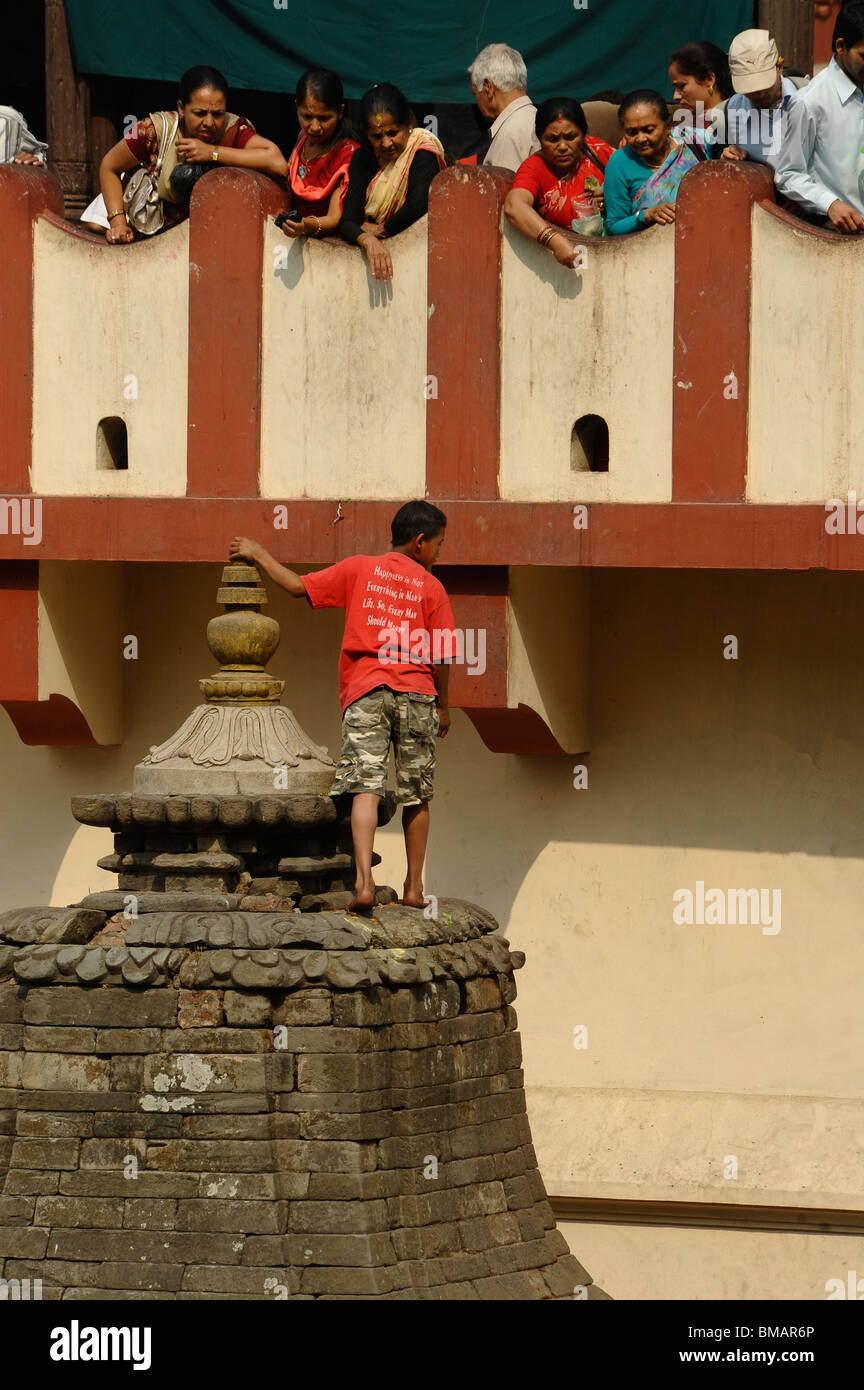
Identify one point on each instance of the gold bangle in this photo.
(215, 154)
(121, 212)
(318, 220)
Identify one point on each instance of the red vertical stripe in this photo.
(464, 334)
(710, 388)
(226, 250)
(25, 193)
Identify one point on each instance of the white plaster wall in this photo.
(81, 611)
(343, 409)
(807, 340)
(101, 316)
(704, 1042)
(547, 674)
(665, 1263)
(591, 342)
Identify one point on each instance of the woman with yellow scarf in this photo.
(389, 176)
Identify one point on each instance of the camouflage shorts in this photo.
(374, 724)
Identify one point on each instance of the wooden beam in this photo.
(729, 1216)
(67, 113)
(792, 24)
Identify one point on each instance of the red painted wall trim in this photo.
(479, 597)
(636, 534)
(55, 721)
(486, 614)
(797, 223)
(78, 232)
(713, 258)
(19, 612)
(464, 331)
(25, 193)
(519, 730)
(226, 249)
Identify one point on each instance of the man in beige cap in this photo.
(756, 114)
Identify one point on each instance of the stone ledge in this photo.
(389, 926)
(233, 812)
(67, 925)
(244, 969)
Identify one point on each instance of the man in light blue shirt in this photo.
(756, 114)
(820, 167)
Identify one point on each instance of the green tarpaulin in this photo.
(572, 47)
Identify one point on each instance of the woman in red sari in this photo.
(562, 186)
(317, 171)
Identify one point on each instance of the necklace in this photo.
(307, 158)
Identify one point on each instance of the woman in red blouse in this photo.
(317, 172)
(562, 186)
(202, 130)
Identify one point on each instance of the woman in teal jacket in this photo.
(643, 177)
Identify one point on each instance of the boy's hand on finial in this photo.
(244, 549)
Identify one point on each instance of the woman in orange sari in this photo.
(317, 171)
(389, 176)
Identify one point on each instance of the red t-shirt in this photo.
(398, 622)
(553, 196)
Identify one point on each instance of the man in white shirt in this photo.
(499, 81)
(821, 162)
(17, 144)
(757, 113)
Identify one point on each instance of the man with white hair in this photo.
(499, 81)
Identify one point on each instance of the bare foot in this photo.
(412, 896)
(364, 898)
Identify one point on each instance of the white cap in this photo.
(753, 60)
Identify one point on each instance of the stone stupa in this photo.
(226, 1085)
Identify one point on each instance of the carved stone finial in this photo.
(249, 744)
(242, 640)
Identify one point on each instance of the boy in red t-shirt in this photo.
(399, 636)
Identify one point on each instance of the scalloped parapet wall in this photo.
(276, 390)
